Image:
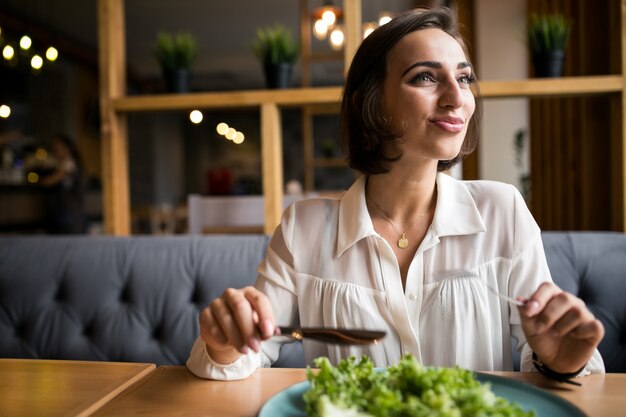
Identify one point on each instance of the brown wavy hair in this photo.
(367, 139)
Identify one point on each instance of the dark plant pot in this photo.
(278, 75)
(177, 80)
(548, 63)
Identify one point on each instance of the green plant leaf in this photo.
(275, 44)
(176, 50)
(548, 32)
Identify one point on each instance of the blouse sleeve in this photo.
(275, 280)
(529, 269)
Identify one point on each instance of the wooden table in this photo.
(63, 388)
(174, 391)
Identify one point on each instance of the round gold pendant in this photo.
(403, 242)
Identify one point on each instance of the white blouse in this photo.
(327, 266)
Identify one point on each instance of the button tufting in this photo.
(196, 294)
(157, 333)
(60, 295)
(125, 295)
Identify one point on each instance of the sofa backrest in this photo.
(137, 299)
(118, 299)
(592, 265)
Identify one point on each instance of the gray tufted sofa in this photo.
(137, 299)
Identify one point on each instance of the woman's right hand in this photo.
(236, 322)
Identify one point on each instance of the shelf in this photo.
(542, 87)
(231, 99)
(539, 87)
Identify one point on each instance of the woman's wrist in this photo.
(552, 374)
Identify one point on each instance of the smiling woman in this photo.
(407, 249)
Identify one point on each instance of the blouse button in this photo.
(412, 296)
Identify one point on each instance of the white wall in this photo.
(501, 55)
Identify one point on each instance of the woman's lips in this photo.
(449, 124)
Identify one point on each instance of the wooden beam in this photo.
(619, 142)
(272, 165)
(537, 87)
(112, 62)
(545, 87)
(352, 30)
(224, 100)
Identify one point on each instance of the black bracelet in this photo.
(557, 376)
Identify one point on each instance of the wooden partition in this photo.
(115, 104)
(577, 159)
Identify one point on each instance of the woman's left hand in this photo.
(560, 329)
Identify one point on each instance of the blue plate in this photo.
(289, 402)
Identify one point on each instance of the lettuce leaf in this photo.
(354, 388)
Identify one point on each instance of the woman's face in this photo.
(427, 96)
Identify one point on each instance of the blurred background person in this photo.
(65, 189)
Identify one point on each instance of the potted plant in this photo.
(175, 53)
(278, 52)
(547, 37)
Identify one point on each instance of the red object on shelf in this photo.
(219, 181)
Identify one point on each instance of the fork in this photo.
(505, 297)
(334, 335)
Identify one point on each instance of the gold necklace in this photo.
(402, 242)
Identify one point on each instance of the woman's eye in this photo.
(467, 79)
(423, 77)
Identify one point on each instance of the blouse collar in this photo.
(455, 214)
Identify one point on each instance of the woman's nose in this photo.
(450, 95)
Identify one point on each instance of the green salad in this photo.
(355, 389)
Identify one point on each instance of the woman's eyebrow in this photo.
(434, 65)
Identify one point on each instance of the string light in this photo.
(25, 42)
(36, 62)
(30, 54)
(52, 54)
(5, 111)
(196, 116)
(230, 134)
(8, 52)
(239, 138)
(222, 128)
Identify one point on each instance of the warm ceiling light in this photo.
(196, 116)
(25, 42)
(8, 52)
(329, 17)
(336, 38)
(52, 54)
(368, 28)
(320, 29)
(239, 138)
(5, 111)
(36, 62)
(230, 134)
(222, 128)
(383, 18)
